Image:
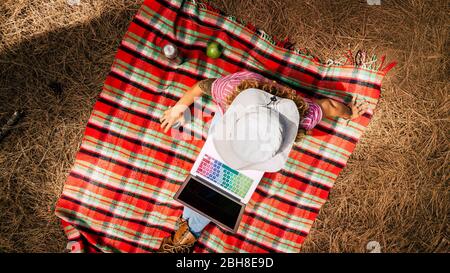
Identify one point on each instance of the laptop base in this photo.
(211, 202)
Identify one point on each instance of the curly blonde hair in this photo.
(278, 90)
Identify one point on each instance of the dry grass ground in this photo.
(394, 190)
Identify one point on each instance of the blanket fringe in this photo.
(360, 59)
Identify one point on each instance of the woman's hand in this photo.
(335, 109)
(357, 108)
(173, 115)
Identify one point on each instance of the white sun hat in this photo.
(257, 131)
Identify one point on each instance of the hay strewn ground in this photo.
(54, 58)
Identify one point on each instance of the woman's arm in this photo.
(175, 113)
(335, 109)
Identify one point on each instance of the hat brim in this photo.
(289, 118)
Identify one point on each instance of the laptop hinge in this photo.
(211, 185)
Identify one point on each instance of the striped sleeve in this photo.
(223, 87)
(312, 117)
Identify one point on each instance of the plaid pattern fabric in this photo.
(118, 195)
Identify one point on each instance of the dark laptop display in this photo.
(211, 203)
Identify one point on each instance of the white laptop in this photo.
(217, 191)
(210, 166)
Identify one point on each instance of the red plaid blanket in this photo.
(118, 195)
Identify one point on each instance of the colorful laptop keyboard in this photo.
(224, 176)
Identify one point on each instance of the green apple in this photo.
(213, 50)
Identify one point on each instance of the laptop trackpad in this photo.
(211, 203)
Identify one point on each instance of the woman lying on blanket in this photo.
(276, 114)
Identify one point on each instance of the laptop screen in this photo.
(210, 202)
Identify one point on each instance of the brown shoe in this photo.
(182, 241)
